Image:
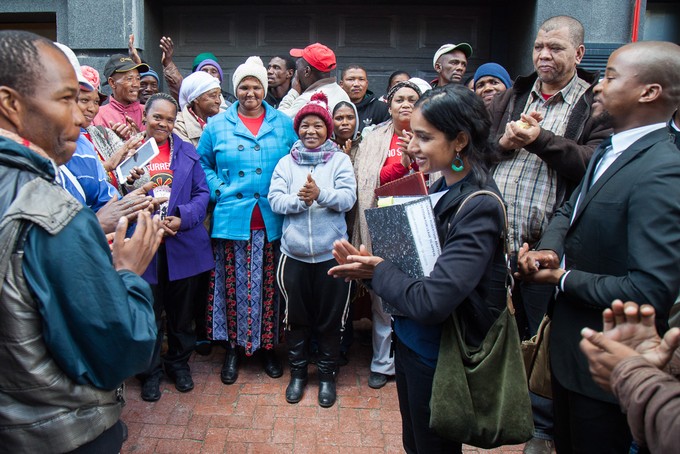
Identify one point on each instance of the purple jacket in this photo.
(189, 252)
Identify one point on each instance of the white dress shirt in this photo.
(620, 142)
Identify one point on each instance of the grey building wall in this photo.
(149, 48)
(605, 21)
(662, 22)
(96, 29)
(60, 7)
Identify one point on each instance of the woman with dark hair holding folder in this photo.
(450, 131)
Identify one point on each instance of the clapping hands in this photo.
(309, 192)
(628, 330)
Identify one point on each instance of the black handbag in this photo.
(479, 394)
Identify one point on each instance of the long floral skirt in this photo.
(243, 301)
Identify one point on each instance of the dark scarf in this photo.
(305, 156)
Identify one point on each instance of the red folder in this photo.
(413, 184)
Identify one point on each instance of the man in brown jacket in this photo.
(545, 134)
(630, 360)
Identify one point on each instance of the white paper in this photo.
(424, 229)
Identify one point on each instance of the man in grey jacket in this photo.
(70, 334)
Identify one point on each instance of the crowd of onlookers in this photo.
(260, 234)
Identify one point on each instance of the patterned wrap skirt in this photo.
(243, 301)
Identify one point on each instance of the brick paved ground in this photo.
(252, 415)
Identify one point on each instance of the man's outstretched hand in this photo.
(135, 253)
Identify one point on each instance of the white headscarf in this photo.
(420, 83)
(194, 85)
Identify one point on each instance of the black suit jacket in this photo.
(675, 132)
(469, 275)
(624, 243)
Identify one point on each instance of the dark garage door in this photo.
(382, 38)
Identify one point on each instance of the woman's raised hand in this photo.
(353, 263)
(347, 148)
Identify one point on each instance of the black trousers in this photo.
(316, 303)
(109, 442)
(200, 305)
(414, 389)
(586, 425)
(177, 299)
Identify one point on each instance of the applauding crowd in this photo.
(144, 226)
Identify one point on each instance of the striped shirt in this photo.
(84, 177)
(528, 185)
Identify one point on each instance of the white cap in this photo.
(420, 83)
(76, 66)
(446, 48)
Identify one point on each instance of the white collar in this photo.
(673, 125)
(624, 139)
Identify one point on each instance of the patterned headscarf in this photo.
(399, 85)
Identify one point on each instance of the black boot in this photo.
(327, 363)
(296, 341)
(151, 387)
(327, 393)
(271, 364)
(229, 372)
(296, 388)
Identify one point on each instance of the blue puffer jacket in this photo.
(239, 167)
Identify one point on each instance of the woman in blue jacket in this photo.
(239, 149)
(179, 270)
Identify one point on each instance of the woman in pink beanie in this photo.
(313, 187)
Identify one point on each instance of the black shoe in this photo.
(539, 446)
(271, 364)
(343, 360)
(377, 380)
(124, 429)
(295, 389)
(151, 388)
(183, 382)
(203, 347)
(229, 372)
(327, 393)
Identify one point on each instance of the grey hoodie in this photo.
(309, 231)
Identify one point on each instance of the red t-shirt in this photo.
(253, 125)
(159, 167)
(392, 169)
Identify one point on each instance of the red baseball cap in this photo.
(317, 55)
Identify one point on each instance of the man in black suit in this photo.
(616, 237)
(674, 125)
